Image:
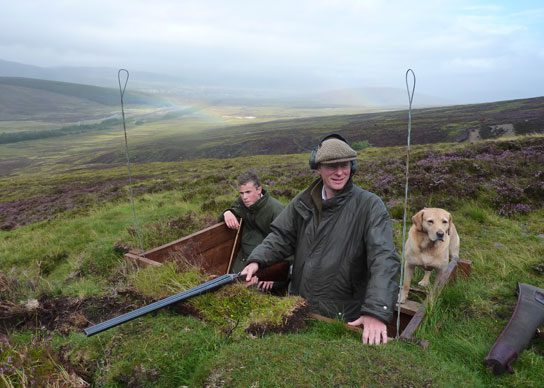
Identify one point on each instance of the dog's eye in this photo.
(430, 221)
(444, 222)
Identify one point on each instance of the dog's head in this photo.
(434, 222)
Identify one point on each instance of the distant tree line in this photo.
(14, 137)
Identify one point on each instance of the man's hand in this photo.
(250, 270)
(230, 220)
(254, 281)
(265, 285)
(374, 330)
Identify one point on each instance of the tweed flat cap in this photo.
(334, 151)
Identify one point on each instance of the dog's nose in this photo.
(440, 235)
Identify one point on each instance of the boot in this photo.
(527, 317)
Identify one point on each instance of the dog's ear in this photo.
(417, 220)
(449, 223)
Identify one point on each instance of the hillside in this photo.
(97, 76)
(191, 132)
(61, 269)
(430, 125)
(53, 101)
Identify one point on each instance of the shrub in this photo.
(361, 145)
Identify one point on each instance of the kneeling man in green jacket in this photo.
(257, 208)
(345, 263)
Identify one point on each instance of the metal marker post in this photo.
(410, 99)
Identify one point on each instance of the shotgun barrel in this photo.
(278, 271)
(198, 290)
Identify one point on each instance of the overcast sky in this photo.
(469, 51)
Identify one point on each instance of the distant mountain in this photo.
(98, 76)
(38, 99)
(222, 89)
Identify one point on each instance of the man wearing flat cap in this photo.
(345, 264)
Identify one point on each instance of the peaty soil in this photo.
(66, 314)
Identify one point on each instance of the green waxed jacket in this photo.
(345, 263)
(255, 226)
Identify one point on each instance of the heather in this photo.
(63, 235)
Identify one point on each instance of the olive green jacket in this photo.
(255, 226)
(345, 263)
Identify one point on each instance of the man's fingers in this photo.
(374, 337)
(250, 277)
(377, 338)
(266, 285)
(230, 220)
(368, 339)
(232, 224)
(357, 322)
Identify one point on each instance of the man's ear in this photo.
(417, 220)
(259, 189)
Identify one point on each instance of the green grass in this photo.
(74, 255)
(308, 360)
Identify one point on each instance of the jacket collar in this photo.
(260, 202)
(312, 195)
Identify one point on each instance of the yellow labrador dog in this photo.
(432, 242)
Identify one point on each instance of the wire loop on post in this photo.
(410, 92)
(122, 93)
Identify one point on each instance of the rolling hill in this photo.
(38, 99)
(430, 125)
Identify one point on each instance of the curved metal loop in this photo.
(410, 93)
(122, 89)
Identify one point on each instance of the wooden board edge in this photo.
(141, 261)
(412, 326)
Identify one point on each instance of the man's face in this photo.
(335, 176)
(249, 193)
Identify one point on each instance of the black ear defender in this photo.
(313, 153)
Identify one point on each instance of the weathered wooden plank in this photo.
(411, 307)
(141, 261)
(210, 248)
(202, 241)
(409, 330)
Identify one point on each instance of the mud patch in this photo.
(538, 268)
(66, 314)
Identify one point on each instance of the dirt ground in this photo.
(66, 314)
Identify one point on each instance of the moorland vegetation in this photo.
(64, 233)
(66, 220)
